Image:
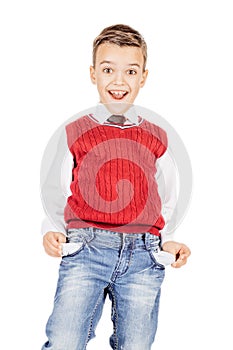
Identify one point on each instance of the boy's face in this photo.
(118, 73)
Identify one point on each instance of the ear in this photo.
(144, 77)
(92, 74)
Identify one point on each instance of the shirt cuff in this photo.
(166, 236)
(48, 226)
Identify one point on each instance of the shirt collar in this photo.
(101, 113)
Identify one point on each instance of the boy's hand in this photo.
(180, 250)
(52, 243)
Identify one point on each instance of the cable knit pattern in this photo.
(113, 182)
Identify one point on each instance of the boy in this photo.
(113, 219)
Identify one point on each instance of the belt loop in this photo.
(92, 232)
(147, 240)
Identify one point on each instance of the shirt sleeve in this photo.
(55, 183)
(167, 180)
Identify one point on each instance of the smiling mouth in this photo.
(118, 94)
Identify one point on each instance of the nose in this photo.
(118, 78)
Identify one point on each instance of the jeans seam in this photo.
(92, 318)
(115, 318)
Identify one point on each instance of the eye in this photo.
(131, 72)
(107, 70)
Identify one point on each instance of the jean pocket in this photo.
(162, 258)
(71, 248)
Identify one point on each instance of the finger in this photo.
(53, 252)
(53, 240)
(61, 238)
(52, 249)
(185, 251)
(178, 264)
(182, 260)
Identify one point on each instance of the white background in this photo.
(44, 80)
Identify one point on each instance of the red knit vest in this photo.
(113, 181)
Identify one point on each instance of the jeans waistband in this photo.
(114, 239)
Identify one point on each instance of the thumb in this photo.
(61, 238)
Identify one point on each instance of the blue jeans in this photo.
(101, 263)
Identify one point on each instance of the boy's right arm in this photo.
(55, 181)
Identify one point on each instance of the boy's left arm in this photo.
(167, 179)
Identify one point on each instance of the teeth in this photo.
(117, 93)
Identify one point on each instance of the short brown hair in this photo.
(121, 35)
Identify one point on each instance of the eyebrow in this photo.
(130, 64)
